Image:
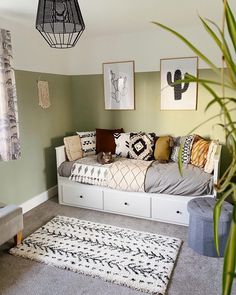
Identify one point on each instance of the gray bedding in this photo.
(165, 178)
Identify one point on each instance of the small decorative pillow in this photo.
(105, 141)
(175, 149)
(187, 143)
(73, 147)
(209, 166)
(141, 145)
(163, 148)
(199, 152)
(88, 142)
(122, 144)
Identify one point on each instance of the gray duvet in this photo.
(165, 178)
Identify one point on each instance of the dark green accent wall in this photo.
(40, 131)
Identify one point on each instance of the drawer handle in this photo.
(179, 212)
(81, 197)
(126, 204)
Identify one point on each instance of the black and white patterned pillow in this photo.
(141, 145)
(187, 143)
(88, 142)
(122, 144)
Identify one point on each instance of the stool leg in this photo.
(18, 238)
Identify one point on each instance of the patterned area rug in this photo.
(140, 260)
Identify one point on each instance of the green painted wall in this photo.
(78, 104)
(40, 131)
(89, 113)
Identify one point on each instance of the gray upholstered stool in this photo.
(200, 233)
(11, 223)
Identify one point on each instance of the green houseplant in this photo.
(225, 39)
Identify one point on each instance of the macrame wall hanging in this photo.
(43, 94)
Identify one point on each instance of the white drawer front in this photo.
(170, 210)
(82, 196)
(127, 203)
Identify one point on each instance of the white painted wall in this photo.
(145, 48)
(32, 53)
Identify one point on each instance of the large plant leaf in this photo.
(189, 78)
(226, 184)
(230, 99)
(216, 217)
(224, 110)
(180, 162)
(230, 257)
(231, 24)
(223, 46)
(190, 45)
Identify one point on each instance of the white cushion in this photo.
(141, 146)
(122, 144)
(209, 166)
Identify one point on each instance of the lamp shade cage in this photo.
(60, 22)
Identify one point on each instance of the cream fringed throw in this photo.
(43, 93)
(88, 170)
(128, 175)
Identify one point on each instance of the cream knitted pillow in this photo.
(73, 147)
(210, 156)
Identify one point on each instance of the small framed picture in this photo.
(119, 85)
(178, 96)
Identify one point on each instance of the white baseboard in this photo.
(39, 199)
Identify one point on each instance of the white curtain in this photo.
(9, 126)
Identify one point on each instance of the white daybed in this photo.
(153, 206)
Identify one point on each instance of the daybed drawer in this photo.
(127, 203)
(170, 210)
(82, 196)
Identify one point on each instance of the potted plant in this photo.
(226, 78)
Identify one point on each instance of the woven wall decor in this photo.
(43, 93)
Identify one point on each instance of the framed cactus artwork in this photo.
(177, 95)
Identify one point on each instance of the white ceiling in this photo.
(104, 17)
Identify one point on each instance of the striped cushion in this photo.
(186, 142)
(199, 152)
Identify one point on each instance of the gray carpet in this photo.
(193, 274)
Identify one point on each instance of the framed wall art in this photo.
(119, 85)
(182, 96)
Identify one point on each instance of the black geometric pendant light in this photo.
(60, 22)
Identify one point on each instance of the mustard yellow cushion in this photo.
(73, 147)
(199, 152)
(163, 148)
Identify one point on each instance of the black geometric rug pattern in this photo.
(139, 260)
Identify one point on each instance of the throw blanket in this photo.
(128, 175)
(88, 170)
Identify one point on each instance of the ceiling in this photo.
(103, 17)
